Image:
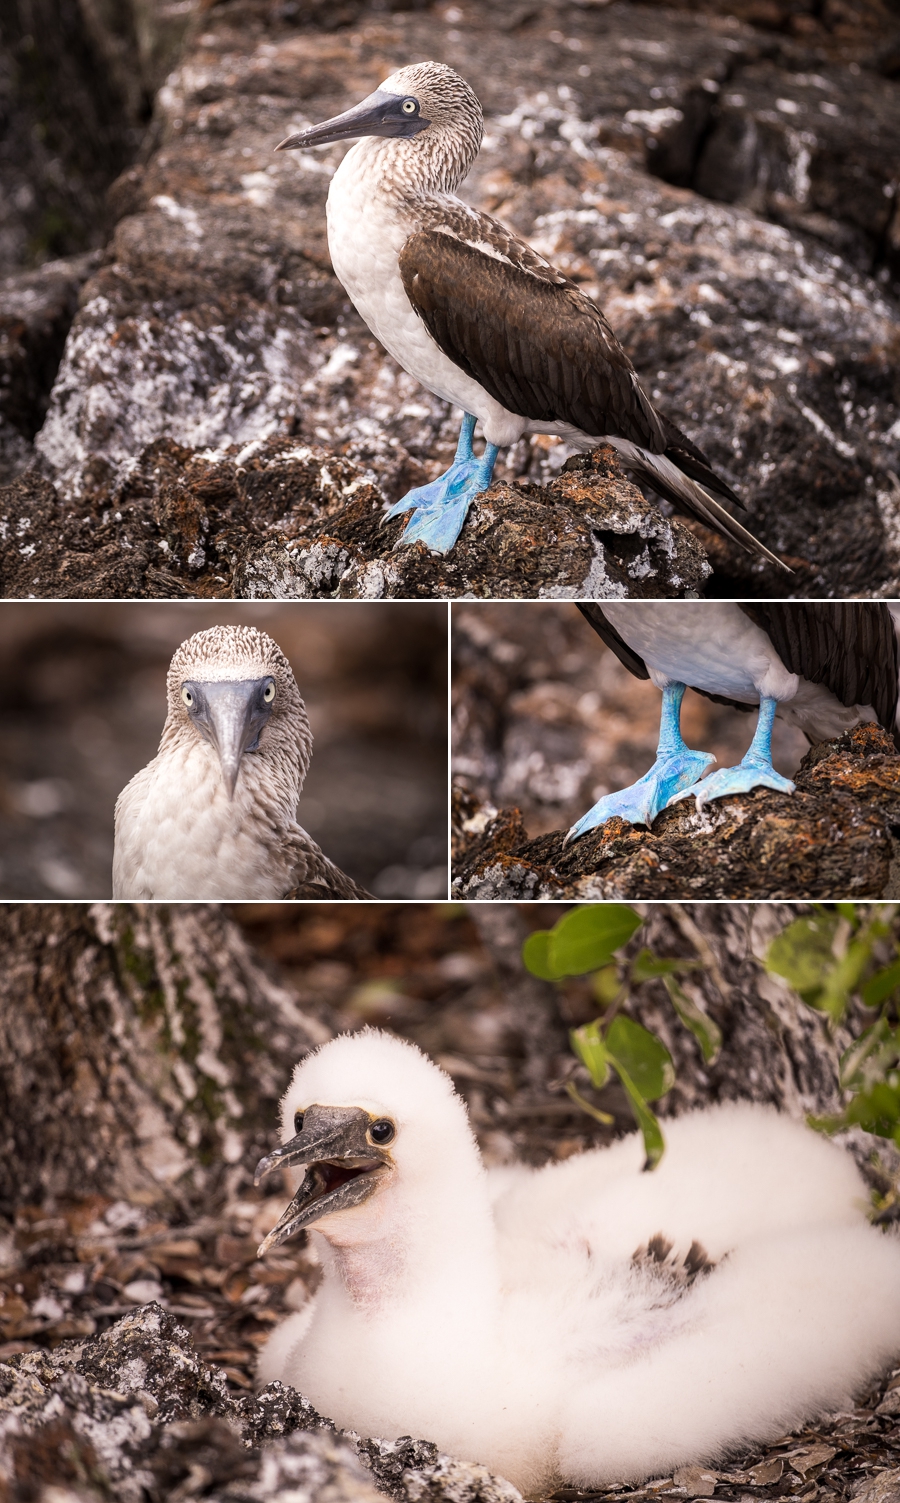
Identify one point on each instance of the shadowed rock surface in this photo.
(135, 1413)
(832, 838)
(216, 321)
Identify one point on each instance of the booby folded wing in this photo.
(314, 876)
(526, 333)
(849, 646)
(543, 349)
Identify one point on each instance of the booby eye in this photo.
(298, 1122)
(409, 106)
(268, 693)
(188, 698)
(382, 1131)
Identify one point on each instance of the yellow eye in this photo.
(408, 106)
(269, 693)
(188, 697)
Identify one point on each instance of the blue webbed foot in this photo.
(439, 509)
(754, 770)
(750, 773)
(641, 803)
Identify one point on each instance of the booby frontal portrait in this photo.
(479, 317)
(213, 815)
(584, 1323)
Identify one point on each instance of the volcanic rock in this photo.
(832, 838)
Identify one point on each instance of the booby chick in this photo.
(822, 667)
(583, 1323)
(213, 815)
(479, 317)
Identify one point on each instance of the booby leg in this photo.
(676, 768)
(755, 769)
(439, 508)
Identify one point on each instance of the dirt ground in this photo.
(82, 705)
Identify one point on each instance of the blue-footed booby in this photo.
(822, 667)
(478, 316)
(585, 1323)
(213, 815)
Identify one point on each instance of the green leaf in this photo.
(640, 1054)
(606, 986)
(802, 953)
(586, 1106)
(707, 1033)
(881, 985)
(536, 955)
(654, 1142)
(587, 938)
(843, 979)
(847, 911)
(646, 966)
(588, 1044)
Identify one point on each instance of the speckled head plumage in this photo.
(233, 687)
(428, 126)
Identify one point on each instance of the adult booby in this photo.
(478, 316)
(584, 1323)
(822, 667)
(213, 815)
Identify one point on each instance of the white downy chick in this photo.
(582, 1323)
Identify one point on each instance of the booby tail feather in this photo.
(689, 495)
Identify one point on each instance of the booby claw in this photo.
(754, 770)
(439, 509)
(641, 803)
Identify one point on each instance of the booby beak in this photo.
(381, 114)
(230, 716)
(344, 1167)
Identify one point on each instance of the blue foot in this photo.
(641, 803)
(755, 769)
(440, 508)
(676, 768)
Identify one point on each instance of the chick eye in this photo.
(268, 693)
(382, 1131)
(298, 1122)
(409, 106)
(188, 697)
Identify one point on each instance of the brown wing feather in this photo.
(531, 339)
(850, 646)
(632, 661)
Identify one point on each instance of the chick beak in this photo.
(343, 1167)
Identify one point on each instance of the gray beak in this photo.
(379, 115)
(230, 716)
(344, 1167)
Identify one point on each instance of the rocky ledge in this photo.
(833, 838)
(135, 1414)
(278, 519)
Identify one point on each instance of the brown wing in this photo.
(849, 646)
(527, 335)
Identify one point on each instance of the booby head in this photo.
(233, 687)
(368, 1117)
(428, 108)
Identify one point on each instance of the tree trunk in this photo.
(143, 1050)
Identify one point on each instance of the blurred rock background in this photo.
(546, 718)
(82, 705)
(722, 174)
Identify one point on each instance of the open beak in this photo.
(378, 115)
(343, 1167)
(231, 715)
